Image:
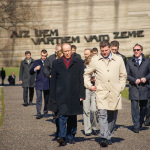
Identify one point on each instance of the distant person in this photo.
(26, 79)
(114, 45)
(41, 84)
(3, 75)
(94, 51)
(138, 72)
(11, 79)
(74, 48)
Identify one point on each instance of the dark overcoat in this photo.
(123, 57)
(141, 91)
(67, 86)
(27, 79)
(41, 82)
(48, 65)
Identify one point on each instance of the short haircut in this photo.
(44, 51)
(94, 50)
(65, 44)
(88, 49)
(104, 44)
(138, 45)
(114, 44)
(73, 46)
(58, 45)
(27, 52)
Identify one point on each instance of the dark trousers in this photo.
(138, 117)
(39, 101)
(25, 94)
(67, 126)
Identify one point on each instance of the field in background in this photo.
(9, 70)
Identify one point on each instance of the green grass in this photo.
(2, 107)
(10, 70)
(125, 93)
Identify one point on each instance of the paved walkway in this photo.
(21, 131)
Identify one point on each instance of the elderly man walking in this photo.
(67, 91)
(110, 80)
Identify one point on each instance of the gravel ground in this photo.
(21, 131)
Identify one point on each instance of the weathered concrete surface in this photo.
(21, 131)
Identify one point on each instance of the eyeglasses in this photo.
(136, 50)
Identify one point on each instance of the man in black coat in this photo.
(138, 71)
(47, 72)
(26, 79)
(3, 75)
(74, 48)
(67, 90)
(11, 79)
(114, 45)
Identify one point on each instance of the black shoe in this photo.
(71, 141)
(25, 104)
(87, 134)
(94, 132)
(30, 103)
(61, 141)
(38, 117)
(136, 130)
(104, 143)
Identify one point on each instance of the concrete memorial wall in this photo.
(41, 24)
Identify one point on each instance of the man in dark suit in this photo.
(138, 71)
(74, 48)
(114, 45)
(26, 79)
(11, 79)
(41, 84)
(67, 91)
(3, 75)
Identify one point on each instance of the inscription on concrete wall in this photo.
(52, 36)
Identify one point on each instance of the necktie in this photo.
(137, 62)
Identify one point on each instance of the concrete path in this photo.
(21, 131)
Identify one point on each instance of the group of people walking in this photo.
(92, 87)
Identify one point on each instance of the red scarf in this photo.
(67, 63)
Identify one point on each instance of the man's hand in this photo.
(37, 68)
(93, 88)
(143, 80)
(137, 81)
(81, 99)
(20, 81)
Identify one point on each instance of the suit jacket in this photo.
(41, 82)
(141, 91)
(67, 86)
(27, 79)
(123, 57)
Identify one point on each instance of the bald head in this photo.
(87, 52)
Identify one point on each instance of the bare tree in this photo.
(15, 13)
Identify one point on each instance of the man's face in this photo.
(28, 56)
(105, 51)
(73, 50)
(114, 49)
(67, 51)
(43, 56)
(137, 51)
(95, 53)
(58, 49)
(87, 53)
